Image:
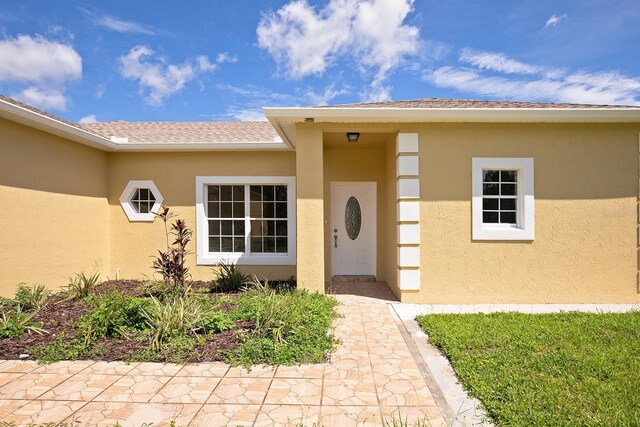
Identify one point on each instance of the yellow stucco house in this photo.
(447, 201)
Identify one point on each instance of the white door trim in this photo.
(372, 216)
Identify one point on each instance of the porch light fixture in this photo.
(353, 137)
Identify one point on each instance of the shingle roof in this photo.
(465, 103)
(159, 132)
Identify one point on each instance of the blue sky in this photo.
(223, 60)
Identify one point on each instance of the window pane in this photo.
(213, 210)
(256, 244)
(213, 193)
(269, 244)
(214, 244)
(227, 244)
(490, 189)
(508, 217)
(508, 176)
(238, 228)
(490, 217)
(214, 228)
(152, 198)
(238, 209)
(144, 194)
(490, 204)
(507, 204)
(490, 176)
(238, 193)
(136, 195)
(256, 228)
(508, 189)
(144, 207)
(281, 210)
(269, 228)
(281, 228)
(255, 210)
(267, 193)
(226, 228)
(281, 193)
(256, 193)
(226, 210)
(226, 193)
(281, 244)
(238, 244)
(268, 210)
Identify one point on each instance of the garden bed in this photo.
(545, 369)
(120, 320)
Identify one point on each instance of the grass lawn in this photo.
(545, 369)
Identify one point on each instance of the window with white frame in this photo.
(246, 220)
(503, 200)
(141, 200)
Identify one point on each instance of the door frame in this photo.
(374, 217)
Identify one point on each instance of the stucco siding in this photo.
(586, 189)
(53, 208)
(132, 244)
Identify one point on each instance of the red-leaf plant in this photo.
(171, 263)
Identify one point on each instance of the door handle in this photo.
(335, 240)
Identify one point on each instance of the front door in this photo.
(353, 228)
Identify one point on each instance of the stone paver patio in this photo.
(371, 377)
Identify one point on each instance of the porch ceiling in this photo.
(366, 140)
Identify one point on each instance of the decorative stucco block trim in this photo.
(409, 256)
(407, 165)
(408, 188)
(129, 191)
(407, 143)
(408, 211)
(408, 234)
(409, 280)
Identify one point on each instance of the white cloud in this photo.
(326, 95)
(45, 98)
(204, 65)
(555, 20)
(496, 62)
(543, 84)
(43, 65)
(156, 78)
(370, 34)
(120, 25)
(246, 114)
(91, 118)
(225, 57)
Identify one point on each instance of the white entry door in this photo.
(353, 228)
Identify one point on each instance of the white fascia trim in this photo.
(127, 194)
(276, 125)
(525, 230)
(204, 257)
(491, 115)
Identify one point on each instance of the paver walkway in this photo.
(370, 378)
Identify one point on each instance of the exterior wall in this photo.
(309, 174)
(53, 208)
(363, 165)
(132, 244)
(586, 192)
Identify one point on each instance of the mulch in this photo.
(58, 317)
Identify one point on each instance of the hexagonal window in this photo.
(141, 200)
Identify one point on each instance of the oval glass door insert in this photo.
(353, 218)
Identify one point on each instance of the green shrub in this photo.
(229, 278)
(290, 327)
(63, 348)
(31, 298)
(180, 317)
(114, 315)
(80, 285)
(14, 323)
(217, 321)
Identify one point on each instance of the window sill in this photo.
(244, 259)
(488, 232)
